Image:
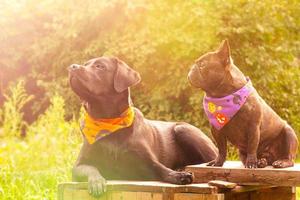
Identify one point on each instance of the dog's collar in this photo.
(221, 110)
(95, 129)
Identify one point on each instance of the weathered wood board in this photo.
(253, 184)
(222, 184)
(141, 190)
(131, 190)
(234, 171)
(258, 193)
(147, 186)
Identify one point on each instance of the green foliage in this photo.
(264, 37)
(32, 168)
(160, 39)
(11, 116)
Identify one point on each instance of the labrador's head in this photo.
(101, 76)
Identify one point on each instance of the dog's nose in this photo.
(74, 66)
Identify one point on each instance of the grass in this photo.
(31, 168)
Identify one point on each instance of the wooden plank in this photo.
(234, 171)
(60, 191)
(248, 188)
(192, 196)
(146, 196)
(145, 186)
(222, 184)
(130, 195)
(80, 195)
(272, 193)
(168, 196)
(276, 193)
(115, 196)
(156, 196)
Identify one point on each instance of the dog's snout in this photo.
(192, 69)
(74, 66)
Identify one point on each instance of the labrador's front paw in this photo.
(179, 178)
(96, 186)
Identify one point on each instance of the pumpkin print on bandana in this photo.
(221, 110)
(221, 118)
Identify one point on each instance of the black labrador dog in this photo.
(144, 150)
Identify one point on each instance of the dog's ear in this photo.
(224, 52)
(125, 77)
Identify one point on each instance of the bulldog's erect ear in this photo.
(125, 77)
(224, 52)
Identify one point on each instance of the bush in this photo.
(11, 116)
(160, 39)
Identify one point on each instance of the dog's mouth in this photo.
(78, 87)
(195, 76)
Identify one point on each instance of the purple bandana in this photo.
(221, 110)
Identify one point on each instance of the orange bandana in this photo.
(95, 129)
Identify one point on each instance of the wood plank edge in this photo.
(143, 188)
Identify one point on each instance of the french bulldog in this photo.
(238, 114)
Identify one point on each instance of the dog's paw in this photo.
(179, 178)
(251, 161)
(96, 186)
(218, 162)
(283, 163)
(262, 163)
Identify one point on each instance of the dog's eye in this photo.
(100, 67)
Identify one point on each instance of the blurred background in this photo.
(39, 136)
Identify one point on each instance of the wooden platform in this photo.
(131, 190)
(234, 171)
(253, 184)
(141, 190)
